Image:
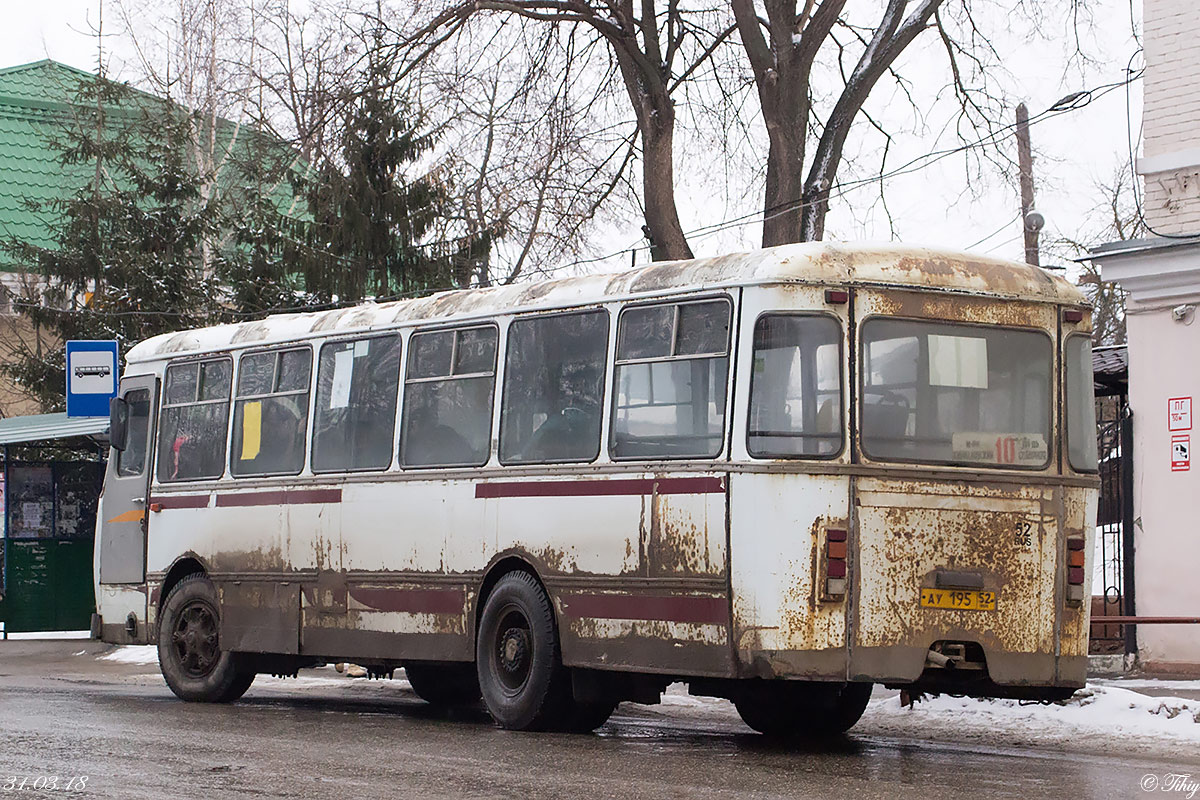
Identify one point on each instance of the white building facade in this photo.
(1162, 275)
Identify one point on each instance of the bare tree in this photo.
(1115, 217)
(525, 144)
(795, 203)
(655, 48)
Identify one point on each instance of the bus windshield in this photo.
(956, 394)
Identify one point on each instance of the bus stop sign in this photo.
(91, 377)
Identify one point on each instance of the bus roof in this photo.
(815, 263)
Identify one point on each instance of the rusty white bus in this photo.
(780, 477)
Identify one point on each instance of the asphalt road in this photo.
(65, 713)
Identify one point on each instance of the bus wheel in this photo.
(444, 684)
(802, 710)
(189, 652)
(586, 717)
(521, 676)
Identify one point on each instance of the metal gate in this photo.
(1113, 584)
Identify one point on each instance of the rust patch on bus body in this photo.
(679, 541)
(1079, 514)
(264, 559)
(909, 532)
(956, 307)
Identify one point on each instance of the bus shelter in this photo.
(52, 475)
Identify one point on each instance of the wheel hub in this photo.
(195, 639)
(514, 651)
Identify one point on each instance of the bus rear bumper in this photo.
(1031, 676)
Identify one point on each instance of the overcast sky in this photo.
(932, 206)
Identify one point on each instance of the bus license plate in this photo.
(965, 599)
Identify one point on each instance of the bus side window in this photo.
(270, 417)
(796, 387)
(448, 391)
(553, 388)
(670, 386)
(357, 385)
(195, 415)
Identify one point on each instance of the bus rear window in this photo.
(956, 394)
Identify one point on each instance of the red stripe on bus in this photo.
(181, 501)
(668, 608)
(598, 488)
(290, 497)
(413, 601)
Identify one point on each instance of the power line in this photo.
(1068, 103)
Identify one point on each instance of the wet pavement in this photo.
(66, 713)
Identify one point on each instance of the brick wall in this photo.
(1170, 161)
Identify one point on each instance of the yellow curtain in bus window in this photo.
(251, 430)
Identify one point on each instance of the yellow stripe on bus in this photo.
(130, 516)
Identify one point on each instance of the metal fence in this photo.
(1113, 585)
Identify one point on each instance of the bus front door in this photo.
(127, 486)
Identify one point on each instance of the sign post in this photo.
(92, 374)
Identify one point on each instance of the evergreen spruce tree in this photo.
(370, 218)
(128, 256)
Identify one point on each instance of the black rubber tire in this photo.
(189, 647)
(444, 684)
(585, 717)
(521, 676)
(798, 711)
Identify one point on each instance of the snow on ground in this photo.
(133, 654)
(51, 635)
(1101, 717)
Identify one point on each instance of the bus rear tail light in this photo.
(835, 565)
(1075, 570)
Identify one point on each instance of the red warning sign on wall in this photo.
(1181, 452)
(1179, 414)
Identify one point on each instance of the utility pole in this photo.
(1031, 220)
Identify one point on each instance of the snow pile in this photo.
(1101, 716)
(133, 654)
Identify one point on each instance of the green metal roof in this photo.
(44, 427)
(41, 80)
(32, 111)
(36, 105)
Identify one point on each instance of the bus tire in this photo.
(189, 652)
(586, 717)
(521, 676)
(802, 711)
(444, 684)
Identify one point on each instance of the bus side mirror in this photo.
(118, 423)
